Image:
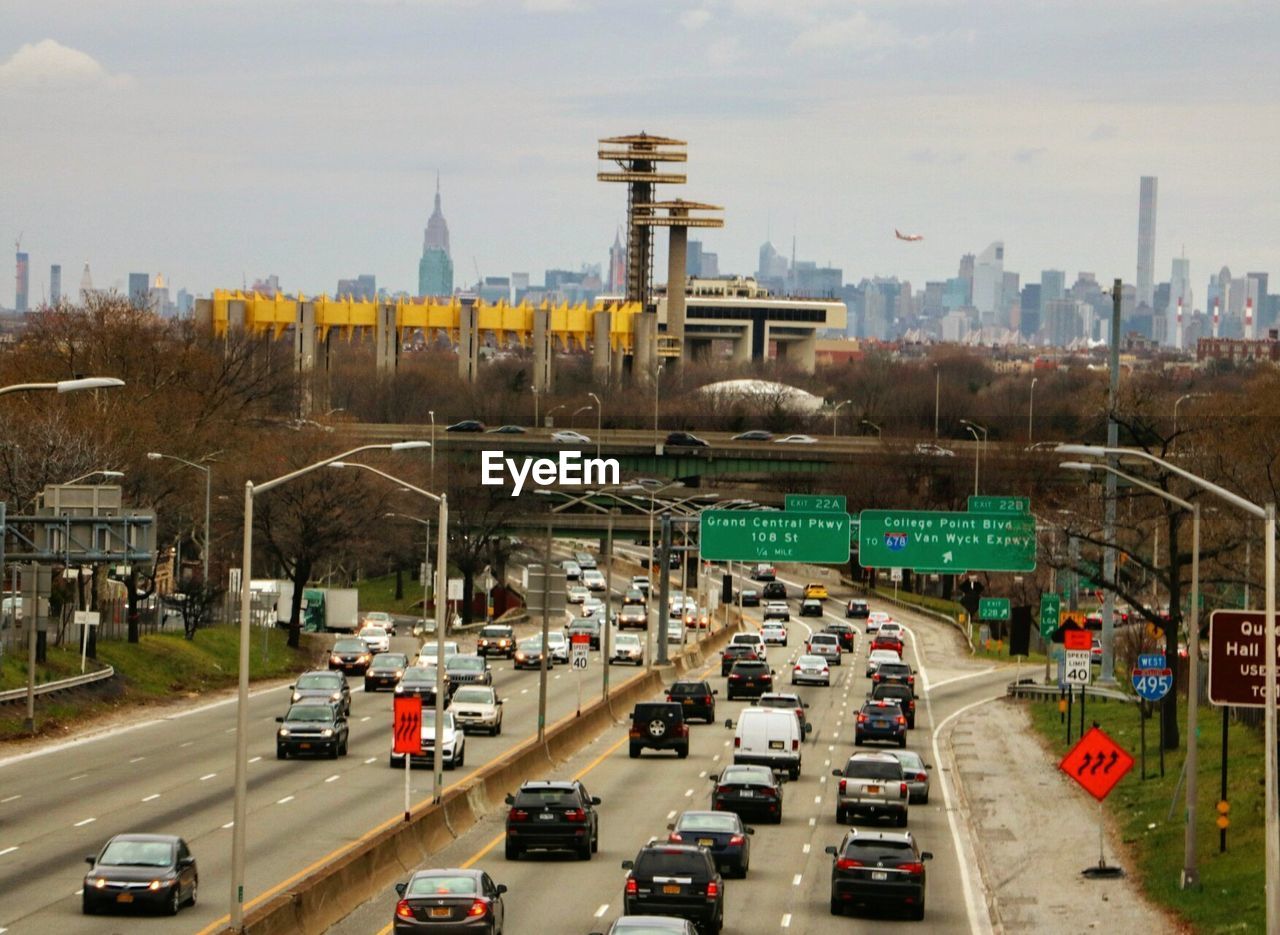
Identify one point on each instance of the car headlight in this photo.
(297, 696)
(335, 659)
(520, 656)
(327, 732)
(100, 883)
(284, 732)
(336, 696)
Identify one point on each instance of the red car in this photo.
(887, 642)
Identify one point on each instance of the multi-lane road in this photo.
(788, 887)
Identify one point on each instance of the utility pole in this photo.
(664, 590)
(546, 650)
(1108, 676)
(608, 597)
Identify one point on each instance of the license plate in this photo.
(441, 912)
(776, 745)
(304, 746)
(688, 701)
(671, 889)
(747, 794)
(546, 817)
(879, 875)
(872, 790)
(125, 898)
(706, 842)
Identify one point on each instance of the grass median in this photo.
(1151, 820)
(159, 669)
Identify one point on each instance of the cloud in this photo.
(553, 6)
(724, 51)
(50, 65)
(1029, 154)
(861, 33)
(694, 19)
(932, 157)
(1103, 131)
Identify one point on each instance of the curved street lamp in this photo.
(66, 386)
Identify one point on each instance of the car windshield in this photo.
(708, 821)
(779, 701)
(689, 688)
(319, 680)
(536, 798)
(441, 885)
(496, 633)
(349, 646)
(465, 663)
(532, 645)
(309, 713)
(874, 851)
(554, 639)
(811, 661)
(873, 769)
(374, 632)
(429, 720)
(910, 760)
(884, 655)
(137, 854)
(474, 695)
(750, 666)
(420, 674)
(747, 774)
(824, 639)
(894, 668)
(626, 639)
(670, 862)
(390, 660)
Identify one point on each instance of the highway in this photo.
(173, 774)
(788, 887)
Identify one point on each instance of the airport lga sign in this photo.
(947, 542)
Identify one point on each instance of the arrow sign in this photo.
(407, 725)
(1097, 762)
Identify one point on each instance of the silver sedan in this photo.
(916, 772)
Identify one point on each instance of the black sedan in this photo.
(528, 654)
(384, 672)
(508, 430)
(696, 697)
(153, 871)
(749, 597)
(687, 439)
(310, 727)
(350, 656)
(755, 435)
(466, 425)
(881, 720)
(747, 790)
(722, 833)
(421, 681)
(323, 685)
(872, 868)
(443, 902)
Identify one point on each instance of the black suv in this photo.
(696, 698)
(350, 656)
(312, 727)
(323, 685)
(749, 679)
(845, 632)
(552, 815)
(774, 591)
(659, 725)
(687, 439)
(497, 640)
(857, 608)
(876, 867)
(733, 653)
(675, 880)
(889, 672)
(895, 691)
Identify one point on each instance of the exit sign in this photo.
(993, 608)
(985, 504)
(816, 502)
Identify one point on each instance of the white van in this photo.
(768, 737)
(754, 640)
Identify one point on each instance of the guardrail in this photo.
(914, 608)
(76, 681)
(1022, 689)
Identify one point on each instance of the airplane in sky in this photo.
(908, 237)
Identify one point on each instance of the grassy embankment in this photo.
(159, 669)
(1230, 895)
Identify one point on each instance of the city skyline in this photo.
(917, 129)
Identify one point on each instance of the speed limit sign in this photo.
(579, 659)
(1077, 670)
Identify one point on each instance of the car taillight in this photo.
(404, 910)
(795, 744)
(911, 679)
(769, 793)
(921, 777)
(706, 699)
(632, 888)
(842, 786)
(478, 908)
(735, 677)
(862, 719)
(713, 889)
(826, 671)
(797, 668)
(847, 863)
(670, 698)
(875, 677)
(674, 838)
(517, 814)
(575, 814)
(682, 730)
(766, 677)
(800, 713)
(912, 868)
(902, 790)
(901, 719)
(724, 790)
(737, 839)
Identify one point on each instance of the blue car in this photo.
(722, 833)
(881, 720)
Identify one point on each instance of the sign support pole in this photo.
(1142, 739)
(406, 787)
(1222, 832)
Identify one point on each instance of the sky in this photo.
(217, 140)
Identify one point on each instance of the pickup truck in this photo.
(633, 615)
(872, 784)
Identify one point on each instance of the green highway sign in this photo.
(993, 608)
(947, 542)
(773, 536)
(986, 504)
(816, 503)
(1050, 606)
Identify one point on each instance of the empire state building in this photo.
(435, 269)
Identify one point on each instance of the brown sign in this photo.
(1237, 660)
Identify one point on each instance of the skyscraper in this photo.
(1146, 240)
(617, 279)
(22, 284)
(55, 284)
(988, 280)
(1181, 301)
(1053, 285)
(435, 269)
(86, 283)
(139, 289)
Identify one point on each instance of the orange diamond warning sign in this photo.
(1097, 762)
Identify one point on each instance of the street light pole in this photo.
(937, 398)
(432, 414)
(599, 420)
(208, 485)
(608, 596)
(871, 424)
(1031, 408)
(835, 412)
(1179, 401)
(977, 452)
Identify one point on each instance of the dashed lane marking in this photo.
(805, 849)
(333, 778)
(255, 759)
(287, 798)
(795, 881)
(602, 910)
(87, 821)
(74, 778)
(8, 850)
(207, 776)
(228, 825)
(152, 797)
(786, 921)
(370, 760)
(12, 798)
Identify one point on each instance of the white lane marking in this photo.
(8, 850)
(229, 730)
(287, 798)
(703, 774)
(255, 759)
(370, 760)
(557, 676)
(977, 923)
(813, 822)
(137, 759)
(671, 814)
(687, 793)
(817, 800)
(87, 821)
(74, 778)
(367, 717)
(806, 849)
(602, 910)
(207, 776)
(332, 778)
(822, 779)
(795, 881)
(836, 735)
(826, 762)
(524, 691)
(959, 678)
(11, 798)
(187, 744)
(786, 920)
(831, 748)
(152, 797)
(726, 743)
(228, 824)
(715, 758)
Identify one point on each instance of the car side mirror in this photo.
(928, 766)
(715, 691)
(628, 865)
(595, 800)
(279, 720)
(749, 830)
(808, 728)
(400, 888)
(926, 855)
(728, 722)
(91, 860)
(509, 799)
(829, 850)
(294, 686)
(805, 703)
(502, 701)
(714, 777)
(773, 671)
(187, 862)
(502, 888)
(837, 772)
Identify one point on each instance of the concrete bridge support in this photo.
(644, 359)
(386, 340)
(677, 250)
(600, 349)
(543, 352)
(468, 342)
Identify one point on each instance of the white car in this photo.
(454, 743)
(811, 670)
(379, 618)
(576, 594)
(675, 630)
(567, 437)
(754, 640)
(558, 643)
(626, 647)
(675, 607)
(878, 656)
(593, 579)
(937, 451)
(641, 583)
(572, 570)
(774, 633)
(777, 610)
(477, 707)
(890, 628)
(874, 621)
(796, 440)
(376, 638)
(592, 606)
(427, 654)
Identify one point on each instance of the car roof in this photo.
(877, 756)
(565, 784)
(138, 836)
(864, 834)
(446, 872)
